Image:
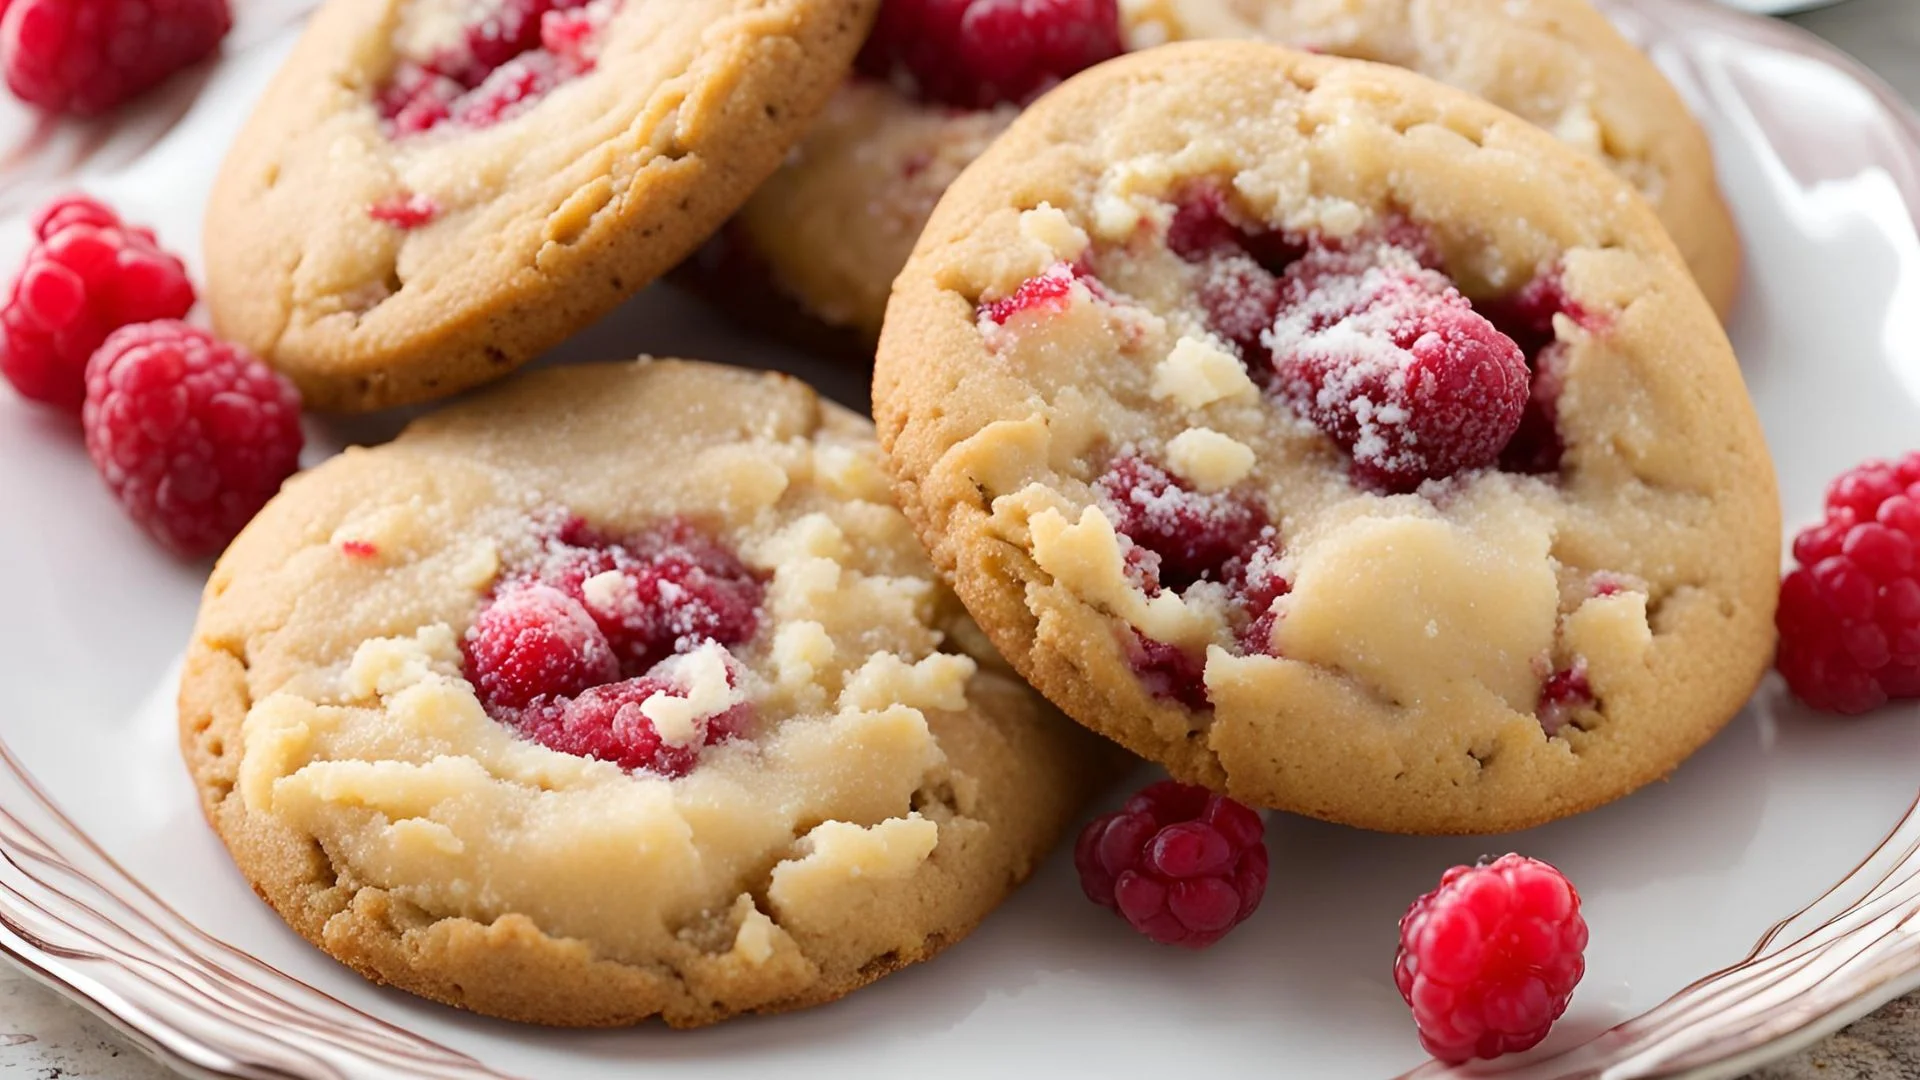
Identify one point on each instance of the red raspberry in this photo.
(88, 56)
(1182, 865)
(605, 723)
(512, 53)
(1238, 285)
(193, 435)
(88, 275)
(1849, 614)
(1170, 672)
(1194, 536)
(976, 54)
(533, 641)
(405, 212)
(1394, 365)
(1050, 292)
(1527, 318)
(1562, 694)
(1489, 959)
(678, 590)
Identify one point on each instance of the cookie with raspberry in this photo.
(433, 192)
(1336, 439)
(621, 691)
(835, 225)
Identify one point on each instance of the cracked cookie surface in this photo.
(835, 224)
(1335, 439)
(621, 691)
(433, 192)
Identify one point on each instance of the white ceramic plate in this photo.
(1759, 898)
(1778, 7)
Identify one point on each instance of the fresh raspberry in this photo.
(976, 54)
(1050, 292)
(605, 723)
(1489, 959)
(1182, 865)
(87, 56)
(192, 434)
(88, 275)
(1849, 615)
(1394, 365)
(533, 641)
(1194, 536)
(405, 212)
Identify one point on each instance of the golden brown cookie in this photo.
(433, 192)
(1336, 439)
(620, 691)
(835, 224)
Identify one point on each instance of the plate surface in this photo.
(1760, 897)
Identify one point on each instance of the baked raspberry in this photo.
(976, 54)
(513, 52)
(192, 434)
(1562, 694)
(1182, 865)
(1194, 535)
(405, 212)
(1169, 672)
(87, 56)
(1257, 581)
(1527, 318)
(606, 723)
(87, 275)
(1050, 292)
(1392, 363)
(1489, 959)
(1849, 615)
(533, 641)
(660, 593)
(653, 595)
(1238, 284)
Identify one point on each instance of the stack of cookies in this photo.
(1327, 403)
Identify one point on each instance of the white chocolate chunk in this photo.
(1209, 460)
(1198, 372)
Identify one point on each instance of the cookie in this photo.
(619, 691)
(1336, 439)
(433, 192)
(836, 223)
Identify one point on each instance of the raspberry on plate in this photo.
(89, 274)
(88, 56)
(1849, 613)
(975, 54)
(192, 434)
(1182, 865)
(1489, 959)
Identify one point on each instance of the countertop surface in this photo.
(43, 1037)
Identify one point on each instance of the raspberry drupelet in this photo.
(87, 57)
(1182, 865)
(193, 435)
(975, 54)
(1490, 959)
(511, 53)
(1849, 615)
(87, 275)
